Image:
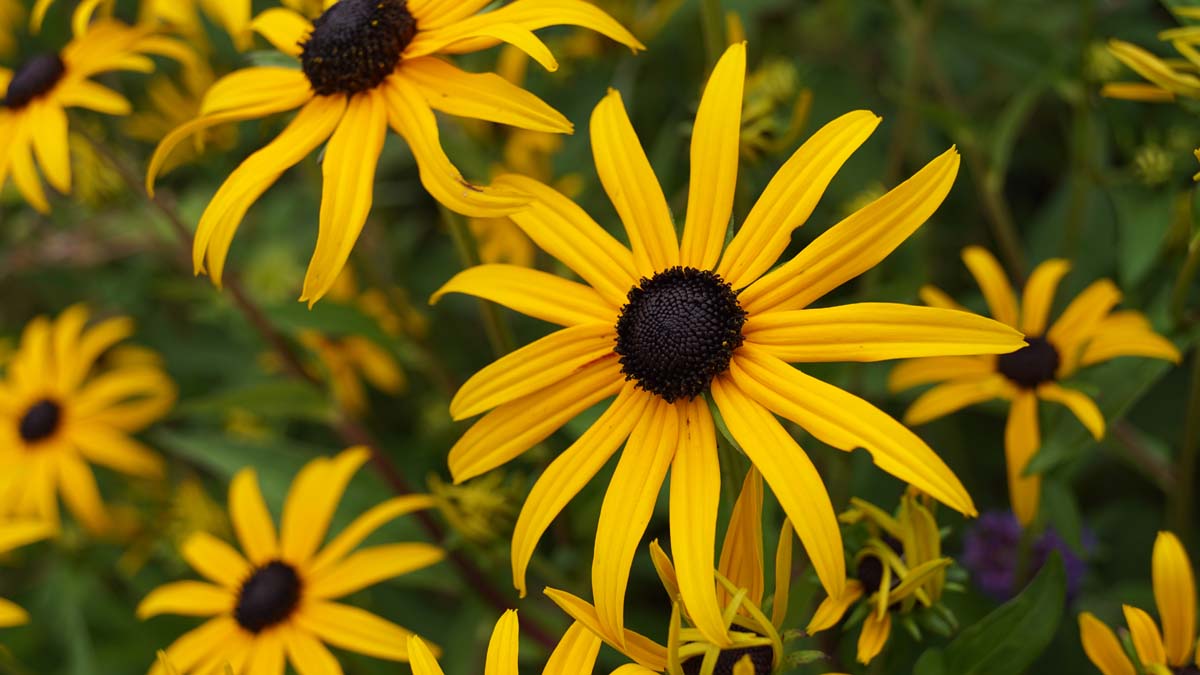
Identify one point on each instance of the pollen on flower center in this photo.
(1033, 364)
(40, 421)
(34, 78)
(762, 656)
(678, 331)
(268, 597)
(356, 44)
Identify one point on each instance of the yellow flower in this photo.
(12, 14)
(58, 412)
(1088, 332)
(182, 16)
(574, 655)
(1165, 653)
(14, 534)
(664, 326)
(346, 361)
(481, 510)
(33, 117)
(899, 567)
(367, 65)
(172, 104)
(277, 602)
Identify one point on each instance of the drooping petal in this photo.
(371, 566)
(791, 196)
(1079, 403)
(514, 427)
(569, 472)
(1021, 442)
(78, 488)
(364, 525)
(877, 331)
(856, 244)
(997, 291)
(503, 647)
(916, 372)
(955, 395)
(186, 598)
(833, 608)
(628, 505)
(716, 138)
(484, 96)
(1038, 296)
(792, 477)
(50, 144)
(576, 652)
(197, 645)
(355, 629)
(846, 421)
(1147, 641)
(1102, 646)
(312, 500)
(1175, 594)
(25, 175)
(533, 293)
(741, 560)
(251, 520)
(874, 636)
(420, 659)
(637, 647)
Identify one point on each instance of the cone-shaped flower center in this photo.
(762, 656)
(268, 596)
(356, 44)
(870, 574)
(34, 78)
(678, 331)
(40, 421)
(1033, 364)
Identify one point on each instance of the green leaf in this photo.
(284, 399)
(1011, 638)
(1144, 218)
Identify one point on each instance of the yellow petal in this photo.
(856, 244)
(18, 533)
(50, 145)
(741, 560)
(936, 297)
(78, 488)
(215, 560)
(253, 87)
(792, 477)
(633, 188)
(543, 296)
(637, 647)
(992, 280)
(783, 574)
(514, 427)
(833, 608)
(25, 175)
(874, 636)
(917, 372)
(355, 630)
(569, 472)
(312, 500)
(1079, 321)
(307, 655)
(877, 331)
(432, 14)
(791, 196)
(1079, 403)
(1021, 442)
(283, 28)
(266, 656)
(371, 566)
(627, 507)
(694, 502)
(955, 395)
(1127, 333)
(576, 652)
(1038, 296)
(1147, 641)
(187, 598)
(420, 659)
(199, 644)
(1175, 594)
(1137, 91)
(716, 138)
(92, 96)
(503, 648)
(1154, 69)
(251, 520)
(364, 525)
(1103, 647)
(484, 96)
(12, 615)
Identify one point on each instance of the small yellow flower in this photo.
(1160, 653)
(59, 411)
(276, 603)
(14, 534)
(482, 510)
(1088, 332)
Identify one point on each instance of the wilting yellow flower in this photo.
(898, 568)
(1088, 332)
(574, 655)
(58, 412)
(1165, 653)
(666, 325)
(367, 65)
(33, 117)
(14, 534)
(277, 602)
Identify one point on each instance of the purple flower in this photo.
(992, 554)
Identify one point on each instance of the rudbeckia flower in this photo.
(574, 655)
(366, 65)
(1088, 332)
(668, 326)
(182, 16)
(14, 534)
(1169, 652)
(60, 410)
(276, 603)
(33, 117)
(897, 570)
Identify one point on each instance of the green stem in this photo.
(1183, 283)
(1184, 499)
(498, 334)
(713, 17)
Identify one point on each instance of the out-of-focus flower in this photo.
(276, 603)
(12, 16)
(14, 534)
(992, 555)
(645, 20)
(392, 77)
(664, 324)
(180, 16)
(175, 513)
(171, 104)
(1169, 652)
(94, 181)
(899, 569)
(60, 410)
(1088, 332)
(1153, 164)
(776, 110)
(482, 510)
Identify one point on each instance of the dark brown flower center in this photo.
(34, 78)
(678, 331)
(1187, 670)
(1033, 364)
(40, 421)
(356, 44)
(268, 597)
(762, 656)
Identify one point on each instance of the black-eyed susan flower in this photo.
(37, 93)
(669, 324)
(14, 534)
(1169, 652)
(1088, 332)
(898, 569)
(60, 411)
(365, 66)
(275, 601)
(575, 653)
